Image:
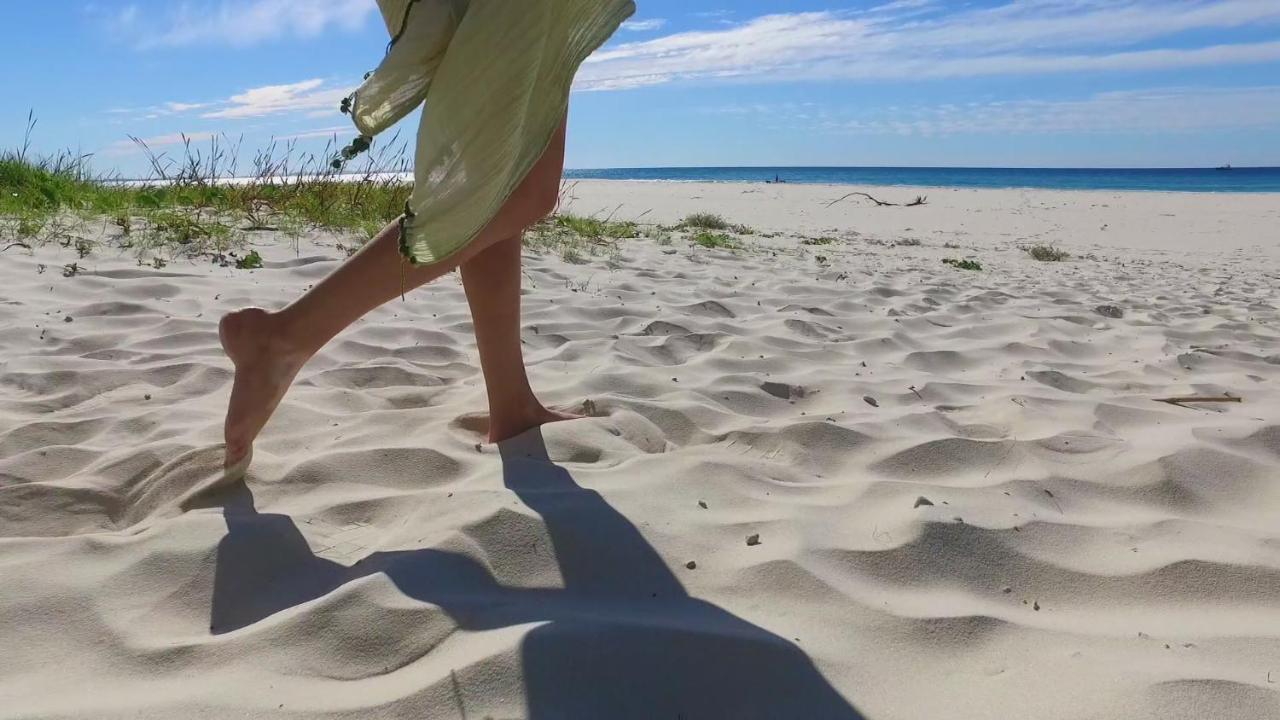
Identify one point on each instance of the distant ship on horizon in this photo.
(1225, 167)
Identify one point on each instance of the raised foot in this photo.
(265, 367)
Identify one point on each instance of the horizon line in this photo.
(919, 167)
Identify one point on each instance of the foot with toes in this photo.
(265, 366)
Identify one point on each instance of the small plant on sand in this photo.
(30, 226)
(963, 264)
(908, 242)
(183, 228)
(819, 241)
(571, 255)
(252, 261)
(543, 237)
(714, 241)
(615, 259)
(572, 235)
(597, 229)
(1048, 253)
(658, 234)
(706, 221)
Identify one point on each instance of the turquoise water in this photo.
(1167, 180)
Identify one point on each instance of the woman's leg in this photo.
(492, 281)
(268, 349)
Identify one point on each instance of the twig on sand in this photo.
(16, 244)
(1054, 498)
(920, 200)
(1012, 444)
(1182, 401)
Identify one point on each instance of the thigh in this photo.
(534, 199)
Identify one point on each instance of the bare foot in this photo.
(504, 428)
(265, 367)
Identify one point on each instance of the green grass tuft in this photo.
(252, 261)
(1048, 253)
(963, 264)
(596, 229)
(573, 255)
(706, 221)
(714, 241)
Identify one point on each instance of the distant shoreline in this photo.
(1082, 221)
(1193, 180)
(1249, 181)
(923, 189)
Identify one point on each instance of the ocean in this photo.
(1262, 179)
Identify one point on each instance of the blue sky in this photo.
(1092, 83)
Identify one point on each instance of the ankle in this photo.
(516, 408)
(516, 411)
(290, 336)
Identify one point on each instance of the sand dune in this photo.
(967, 502)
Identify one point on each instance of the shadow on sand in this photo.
(622, 639)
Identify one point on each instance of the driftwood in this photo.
(1182, 401)
(920, 200)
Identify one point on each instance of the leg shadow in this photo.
(622, 639)
(644, 648)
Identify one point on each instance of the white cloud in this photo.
(121, 148)
(1163, 110)
(178, 107)
(310, 98)
(157, 111)
(644, 25)
(897, 40)
(918, 39)
(339, 131)
(904, 7)
(315, 98)
(234, 22)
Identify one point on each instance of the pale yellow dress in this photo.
(495, 77)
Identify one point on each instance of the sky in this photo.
(977, 83)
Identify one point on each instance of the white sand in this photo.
(1087, 553)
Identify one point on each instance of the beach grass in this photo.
(963, 264)
(705, 221)
(1048, 253)
(196, 202)
(714, 241)
(597, 229)
(712, 221)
